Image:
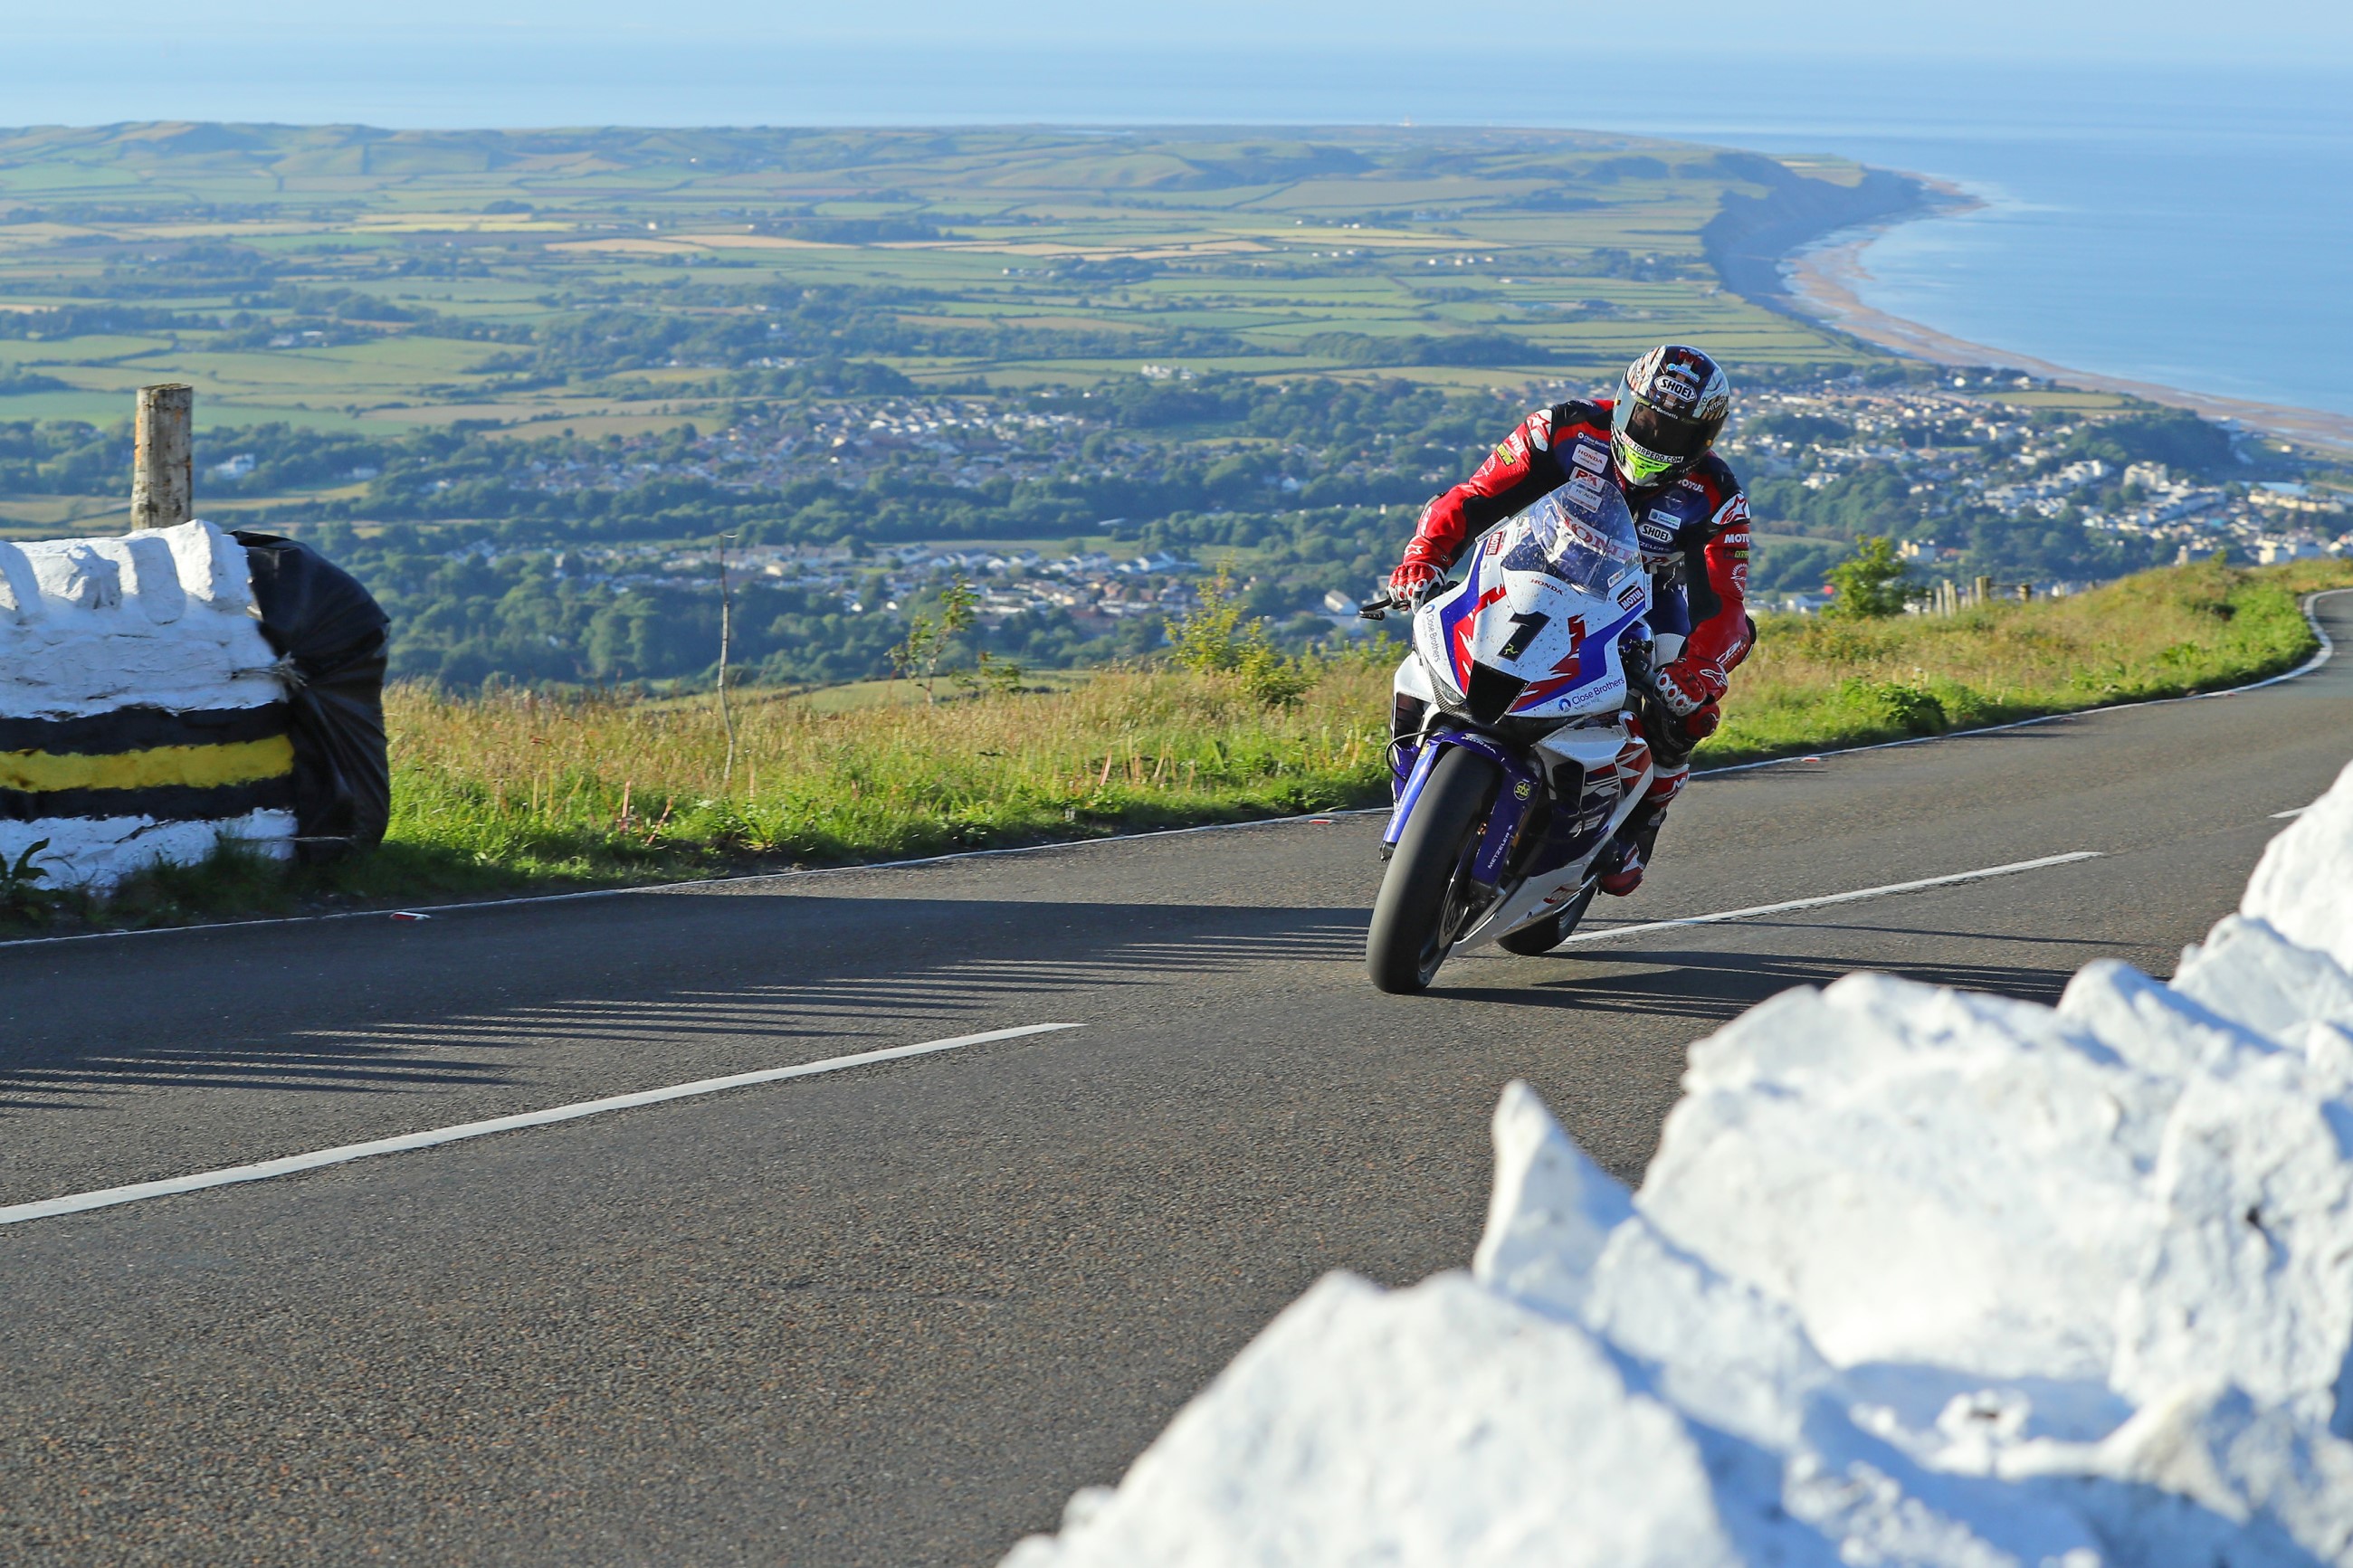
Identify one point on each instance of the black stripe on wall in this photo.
(166, 803)
(142, 729)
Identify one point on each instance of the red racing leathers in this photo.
(1694, 535)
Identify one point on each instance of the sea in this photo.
(2187, 226)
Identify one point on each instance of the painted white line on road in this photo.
(76, 1203)
(1855, 897)
(2294, 811)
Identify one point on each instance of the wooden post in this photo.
(726, 626)
(162, 474)
(1984, 594)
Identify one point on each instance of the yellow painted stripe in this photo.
(199, 767)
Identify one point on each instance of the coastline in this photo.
(1820, 278)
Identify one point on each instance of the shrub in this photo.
(1868, 584)
(1906, 708)
(1215, 639)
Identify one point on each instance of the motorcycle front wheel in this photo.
(1428, 899)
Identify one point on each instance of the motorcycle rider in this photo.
(1654, 441)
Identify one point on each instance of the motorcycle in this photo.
(1540, 733)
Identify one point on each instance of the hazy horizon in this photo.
(576, 81)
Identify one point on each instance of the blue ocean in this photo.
(2191, 228)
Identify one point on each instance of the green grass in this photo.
(1816, 682)
(518, 793)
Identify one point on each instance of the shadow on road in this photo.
(1717, 988)
(820, 977)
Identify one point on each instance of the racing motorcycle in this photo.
(1541, 732)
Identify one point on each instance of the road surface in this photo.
(895, 1315)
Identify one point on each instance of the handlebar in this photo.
(1377, 607)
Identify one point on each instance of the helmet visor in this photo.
(1664, 434)
(1652, 445)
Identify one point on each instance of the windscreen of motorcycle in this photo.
(1581, 534)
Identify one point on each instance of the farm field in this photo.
(1030, 257)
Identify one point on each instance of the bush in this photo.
(1868, 584)
(1215, 639)
(1906, 708)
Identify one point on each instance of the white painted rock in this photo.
(1914, 1277)
(1920, 1174)
(105, 645)
(1427, 1428)
(2304, 885)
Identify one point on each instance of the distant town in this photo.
(1957, 447)
(1954, 448)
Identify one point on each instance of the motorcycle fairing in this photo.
(1548, 595)
(1565, 690)
(1606, 751)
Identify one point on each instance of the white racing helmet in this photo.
(1669, 413)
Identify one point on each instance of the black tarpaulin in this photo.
(334, 636)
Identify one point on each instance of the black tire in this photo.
(1547, 935)
(1428, 897)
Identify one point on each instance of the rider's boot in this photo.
(1628, 855)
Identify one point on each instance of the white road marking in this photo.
(2297, 811)
(76, 1203)
(1854, 897)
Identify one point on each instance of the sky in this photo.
(553, 62)
(2048, 31)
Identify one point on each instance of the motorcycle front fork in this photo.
(1408, 713)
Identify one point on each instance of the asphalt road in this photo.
(895, 1315)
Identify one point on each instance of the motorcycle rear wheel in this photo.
(1547, 935)
(1428, 899)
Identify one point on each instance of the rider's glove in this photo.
(1416, 573)
(1409, 582)
(1682, 690)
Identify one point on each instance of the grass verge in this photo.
(1815, 682)
(519, 792)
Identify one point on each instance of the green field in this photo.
(523, 383)
(1090, 252)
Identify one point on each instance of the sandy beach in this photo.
(1822, 278)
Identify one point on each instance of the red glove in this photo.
(1411, 576)
(1684, 689)
(1425, 562)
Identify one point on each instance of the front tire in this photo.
(1427, 898)
(1547, 935)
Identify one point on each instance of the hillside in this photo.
(628, 268)
(528, 385)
